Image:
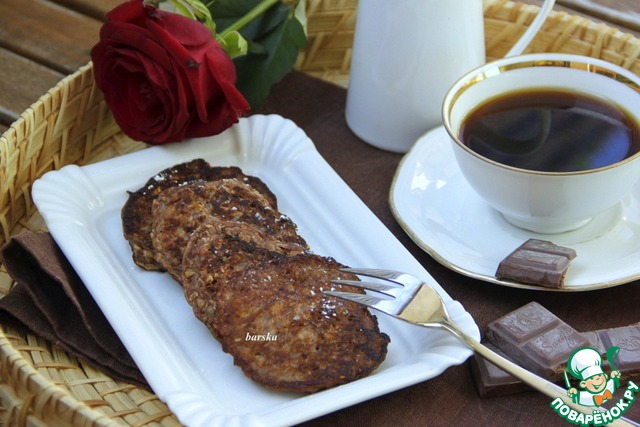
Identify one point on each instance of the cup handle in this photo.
(531, 32)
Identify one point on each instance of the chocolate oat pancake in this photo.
(269, 312)
(177, 212)
(221, 249)
(136, 213)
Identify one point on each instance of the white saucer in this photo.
(435, 205)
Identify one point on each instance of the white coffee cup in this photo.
(544, 202)
(406, 54)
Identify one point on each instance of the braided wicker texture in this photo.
(41, 384)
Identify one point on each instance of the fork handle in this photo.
(540, 384)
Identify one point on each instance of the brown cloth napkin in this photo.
(51, 301)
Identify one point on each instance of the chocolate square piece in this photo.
(536, 339)
(492, 381)
(627, 339)
(537, 262)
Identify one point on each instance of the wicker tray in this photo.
(41, 384)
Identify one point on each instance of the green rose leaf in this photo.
(274, 40)
(193, 9)
(234, 44)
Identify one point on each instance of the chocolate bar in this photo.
(493, 381)
(537, 262)
(627, 339)
(536, 339)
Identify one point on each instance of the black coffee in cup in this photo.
(551, 130)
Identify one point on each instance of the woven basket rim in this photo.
(10, 358)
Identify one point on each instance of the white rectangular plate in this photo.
(182, 362)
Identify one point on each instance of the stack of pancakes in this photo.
(251, 279)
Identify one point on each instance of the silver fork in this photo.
(414, 301)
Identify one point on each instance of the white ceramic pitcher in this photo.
(406, 54)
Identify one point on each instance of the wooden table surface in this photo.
(42, 41)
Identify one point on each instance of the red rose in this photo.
(164, 76)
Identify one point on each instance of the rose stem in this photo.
(261, 8)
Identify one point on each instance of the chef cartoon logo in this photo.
(595, 387)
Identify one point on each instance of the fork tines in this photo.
(393, 296)
(364, 299)
(372, 286)
(398, 277)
